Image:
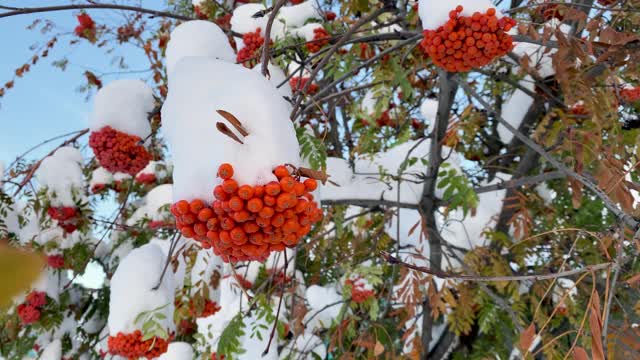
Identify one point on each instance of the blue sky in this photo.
(45, 102)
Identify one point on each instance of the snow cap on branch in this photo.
(434, 13)
(61, 174)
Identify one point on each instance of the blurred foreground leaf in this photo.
(18, 270)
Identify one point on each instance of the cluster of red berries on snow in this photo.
(146, 178)
(607, 2)
(249, 55)
(117, 151)
(298, 83)
(630, 95)
(467, 42)
(55, 261)
(86, 27)
(29, 311)
(131, 346)
(66, 217)
(249, 222)
(320, 39)
(359, 291)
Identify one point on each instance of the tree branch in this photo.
(33, 10)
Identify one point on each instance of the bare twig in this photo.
(32, 10)
(267, 37)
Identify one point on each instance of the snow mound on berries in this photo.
(178, 351)
(242, 21)
(61, 174)
(297, 15)
(198, 38)
(429, 110)
(199, 87)
(132, 290)
(515, 108)
(365, 183)
(319, 297)
(278, 79)
(100, 176)
(434, 13)
(307, 31)
(306, 346)
(124, 105)
(53, 351)
(157, 168)
(152, 205)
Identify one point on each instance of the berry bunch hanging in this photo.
(468, 42)
(30, 310)
(250, 53)
(132, 346)
(630, 95)
(55, 261)
(320, 39)
(248, 222)
(361, 291)
(298, 83)
(66, 217)
(117, 151)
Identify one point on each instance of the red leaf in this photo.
(597, 350)
(526, 338)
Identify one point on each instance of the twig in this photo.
(535, 277)
(172, 247)
(267, 37)
(275, 324)
(31, 10)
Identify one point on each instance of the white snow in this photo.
(157, 168)
(124, 105)
(53, 351)
(307, 31)
(429, 110)
(205, 266)
(369, 102)
(100, 176)
(178, 351)
(132, 290)
(61, 174)
(366, 184)
(515, 108)
(199, 87)
(277, 77)
(434, 13)
(197, 38)
(297, 15)
(151, 208)
(319, 297)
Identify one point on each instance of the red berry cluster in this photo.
(296, 2)
(249, 55)
(86, 27)
(119, 152)
(98, 188)
(607, 2)
(66, 217)
(146, 178)
(320, 39)
(224, 21)
(630, 95)
(131, 345)
(358, 292)
(29, 311)
(248, 222)
(330, 15)
(578, 109)
(298, 83)
(200, 14)
(464, 43)
(55, 261)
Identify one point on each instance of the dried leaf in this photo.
(18, 270)
(580, 354)
(526, 338)
(378, 349)
(595, 322)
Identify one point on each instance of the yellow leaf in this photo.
(18, 270)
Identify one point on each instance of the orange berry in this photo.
(241, 216)
(229, 186)
(187, 231)
(491, 12)
(213, 236)
(258, 191)
(277, 220)
(238, 237)
(250, 227)
(269, 200)
(182, 207)
(263, 222)
(287, 183)
(188, 219)
(266, 212)
(220, 194)
(284, 200)
(272, 188)
(281, 171)
(205, 214)
(302, 205)
(254, 205)
(245, 192)
(256, 238)
(225, 171)
(227, 223)
(290, 240)
(299, 189)
(200, 229)
(290, 226)
(310, 184)
(235, 203)
(196, 205)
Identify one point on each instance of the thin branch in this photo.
(32, 10)
(267, 38)
(534, 277)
